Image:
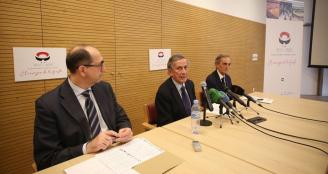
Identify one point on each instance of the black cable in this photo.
(321, 141)
(322, 121)
(282, 138)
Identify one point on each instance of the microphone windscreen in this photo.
(214, 95)
(224, 96)
(237, 89)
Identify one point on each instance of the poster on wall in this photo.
(158, 58)
(283, 47)
(39, 63)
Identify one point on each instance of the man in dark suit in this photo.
(81, 115)
(219, 78)
(176, 95)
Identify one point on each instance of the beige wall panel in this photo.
(138, 28)
(93, 24)
(200, 35)
(20, 25)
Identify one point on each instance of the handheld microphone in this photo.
(205, 94)
(234, 96)
(240, 91)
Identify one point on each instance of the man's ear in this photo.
(169, 72)
(81, 71)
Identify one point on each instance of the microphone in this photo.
(240, 91)
(225, 98)
(234, 96)
(216, 97)
(205, 94)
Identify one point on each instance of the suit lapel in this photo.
(73, 107)
(99, 95)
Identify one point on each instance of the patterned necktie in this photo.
(92, 114)
(185, 100)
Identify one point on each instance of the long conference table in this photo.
(239, 148)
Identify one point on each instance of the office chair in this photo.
(150, 116)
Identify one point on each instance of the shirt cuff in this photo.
(84, 148)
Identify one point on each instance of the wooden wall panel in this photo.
(20, 26)
(123, 31)
(201, 35)
(68, 23)
(43, 23)
(138, 28)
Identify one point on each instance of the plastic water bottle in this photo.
(195, 118)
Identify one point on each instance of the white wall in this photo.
(255, 10)
(325, 83)
(309, 75)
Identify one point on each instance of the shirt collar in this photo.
(220, 75)
(177, 85)
(76, 89)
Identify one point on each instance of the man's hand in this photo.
(102, 141)
(124, 135)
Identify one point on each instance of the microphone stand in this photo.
(222, 114)
(248, 101)
(205, 122)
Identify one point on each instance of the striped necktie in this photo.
(92, 114)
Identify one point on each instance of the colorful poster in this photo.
(39, 63)
(283, 48)
(158, 58)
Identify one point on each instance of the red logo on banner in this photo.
(160, 54)
(284, 38)
(42, 56)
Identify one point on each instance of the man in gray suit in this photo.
(81, 115)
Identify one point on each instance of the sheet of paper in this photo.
(118, 160)
(90, 166)
(141, 149)
(259, 99)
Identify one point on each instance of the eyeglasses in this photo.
(101, 64)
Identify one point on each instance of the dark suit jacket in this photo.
(213, 81)
(61, 127)
(169, 104)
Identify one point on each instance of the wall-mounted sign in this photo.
(39, 63)
(158, 58)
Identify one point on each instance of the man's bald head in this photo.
(80, 55)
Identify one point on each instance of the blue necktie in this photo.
(185, 100)
(92, 115)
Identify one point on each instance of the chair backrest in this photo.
(151, 113)
(35, 169)
(202, 99)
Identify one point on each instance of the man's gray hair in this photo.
(219, 57)
(173, 59)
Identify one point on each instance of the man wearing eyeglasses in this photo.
(81, 115)
(219, 79)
